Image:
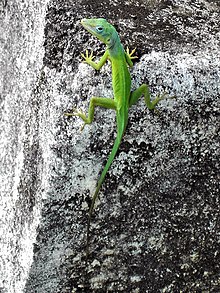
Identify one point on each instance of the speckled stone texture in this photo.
(156, 223)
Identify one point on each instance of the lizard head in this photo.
(100, 28)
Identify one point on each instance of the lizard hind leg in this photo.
(95, 101)
(144, 90)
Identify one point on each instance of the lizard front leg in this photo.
(89, 59)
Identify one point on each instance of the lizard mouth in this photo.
(87, 25)
(83, 21)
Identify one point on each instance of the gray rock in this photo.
(156, 223)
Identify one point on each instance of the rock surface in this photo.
(156, 223)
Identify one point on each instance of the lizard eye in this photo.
(99, 29)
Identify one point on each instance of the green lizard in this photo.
(121, 81)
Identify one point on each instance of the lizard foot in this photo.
(80, 114)
(161, 97)
(87, 58)
(131, 53)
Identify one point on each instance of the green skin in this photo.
(121, 81)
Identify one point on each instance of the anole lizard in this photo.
(121, 82)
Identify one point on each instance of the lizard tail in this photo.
(101, 180)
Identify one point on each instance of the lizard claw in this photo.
(82, 127)
(164, 96)
(75, 112)
(70, 114)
